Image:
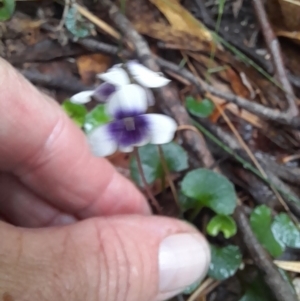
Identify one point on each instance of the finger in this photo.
(22, 207)
(124, 258)
(49, 153)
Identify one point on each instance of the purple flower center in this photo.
(129, 130)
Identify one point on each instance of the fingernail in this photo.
(183, 260)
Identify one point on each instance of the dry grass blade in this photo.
(95, 20)
(208, 285)
(291, 266)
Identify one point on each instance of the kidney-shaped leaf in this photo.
(285, 231)
(224, 261)
(199, 109)
(174, 155)
(210, 189)
(260, 221)
(222, 223)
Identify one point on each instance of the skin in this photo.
(72, 227)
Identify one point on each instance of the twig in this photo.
(169, 98)
(286, 173)
(96, 46)
(281, 289)
(260, 110)
(70, 84)
(275, 51)
(146, 186)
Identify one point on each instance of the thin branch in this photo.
(281, 288)
(255, 108)
(275, 51)
(70, 84)
(169, 96)
(144, 181)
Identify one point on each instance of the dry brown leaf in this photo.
(284, 14)
(173, 38)
(90, 65)
(294, 35)
(236, 83)
(182, 20)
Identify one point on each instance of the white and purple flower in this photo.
(116, 78)
(130, 127)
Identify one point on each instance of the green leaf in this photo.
(96, 117)
(77, 25)
(76, 112)
(199, 109)
(260, 221)
(7, 8)
(257, 290)
(285, 231)
(175, 157)
(185, 202)
(210, 189)
(222, 223)
(224, 261)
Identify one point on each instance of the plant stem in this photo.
(146, 186)
(167, 173)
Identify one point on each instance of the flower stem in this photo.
(146, 186)
(167, 174)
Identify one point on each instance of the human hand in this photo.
(94, 237)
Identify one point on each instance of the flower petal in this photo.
(104, 91)
(82, 97)
(162, 128)
(145, 76)
(126, 149)
(150, 97)
(116, 76)
(101, 141)
(127, 101)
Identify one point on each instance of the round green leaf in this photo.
(175, 157)
(210, 189)
(7, 9)
(224, 262)
(222, 223)
(260, 221)
(285, 231)
(96, 117)
(76, 112)
(199, 109)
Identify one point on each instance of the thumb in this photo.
(119, 258)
